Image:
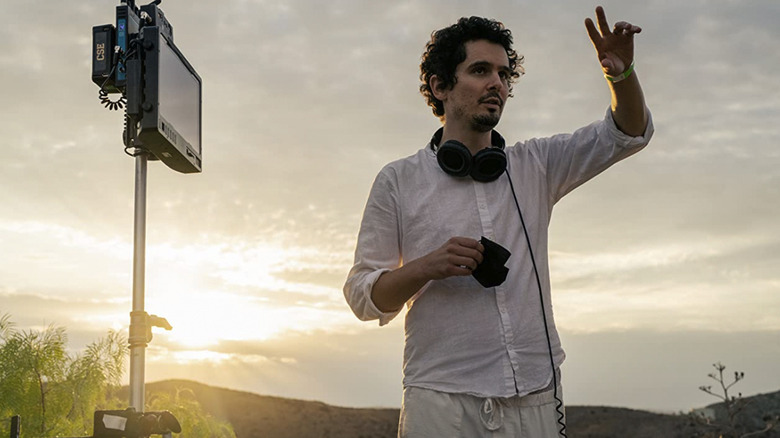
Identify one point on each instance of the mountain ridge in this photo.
(254, 416)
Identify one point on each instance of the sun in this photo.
(202, 317)
(212, 294)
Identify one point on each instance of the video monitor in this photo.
(171, 104)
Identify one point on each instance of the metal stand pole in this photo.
(138, 317)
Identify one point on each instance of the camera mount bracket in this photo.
(141, 324)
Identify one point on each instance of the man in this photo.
(482, 354)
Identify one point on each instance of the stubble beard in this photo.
(485, 122)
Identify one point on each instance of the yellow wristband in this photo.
(620, 77)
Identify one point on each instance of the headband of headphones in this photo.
(496, 140)
(455, 158)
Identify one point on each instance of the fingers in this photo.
(608, 64)
(593, 33)
(466, 243)
(621, 27)
(604, 39)
(597, 35)
(467, 263)
(601, 17)
(465, 247)
(463, 255)
(625, 28)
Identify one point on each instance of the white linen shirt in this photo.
(460, 336)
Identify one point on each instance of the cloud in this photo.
(692, 285)
(302, 107)
(652, 370)
(85, 318)
(346, 368)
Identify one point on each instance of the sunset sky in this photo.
(661, 266)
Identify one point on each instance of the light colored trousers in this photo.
(432, 414)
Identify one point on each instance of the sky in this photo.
(661, 266)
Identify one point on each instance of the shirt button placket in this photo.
(500, 292)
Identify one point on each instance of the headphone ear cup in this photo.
(454, 158)
(489, 164)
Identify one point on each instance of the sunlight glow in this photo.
(203, 312)
(203, 318)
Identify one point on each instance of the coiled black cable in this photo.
(559, 402)
(113, 105)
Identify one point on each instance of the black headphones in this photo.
(455, 158)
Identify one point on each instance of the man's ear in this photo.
(438, 88)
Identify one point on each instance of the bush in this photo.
(56, 394)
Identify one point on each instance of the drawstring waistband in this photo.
(491, 411)
(492, 414)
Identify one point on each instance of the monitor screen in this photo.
(171, 122)
(179, 96)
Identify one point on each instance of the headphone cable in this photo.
(559, 402)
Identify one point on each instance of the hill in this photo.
(258, 416)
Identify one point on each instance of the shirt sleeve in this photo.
(378, 248)
(572, 159)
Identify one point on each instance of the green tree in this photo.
(30, 371)
(194, 421)
(56, 393)
(91, 381)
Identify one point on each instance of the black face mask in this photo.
(492, 272)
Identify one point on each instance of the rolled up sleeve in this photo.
(357, 291)
(378, 249)
(625, 140)
(570, 160)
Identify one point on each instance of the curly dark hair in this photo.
(447, 49)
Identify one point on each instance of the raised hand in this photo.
(615, 48)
